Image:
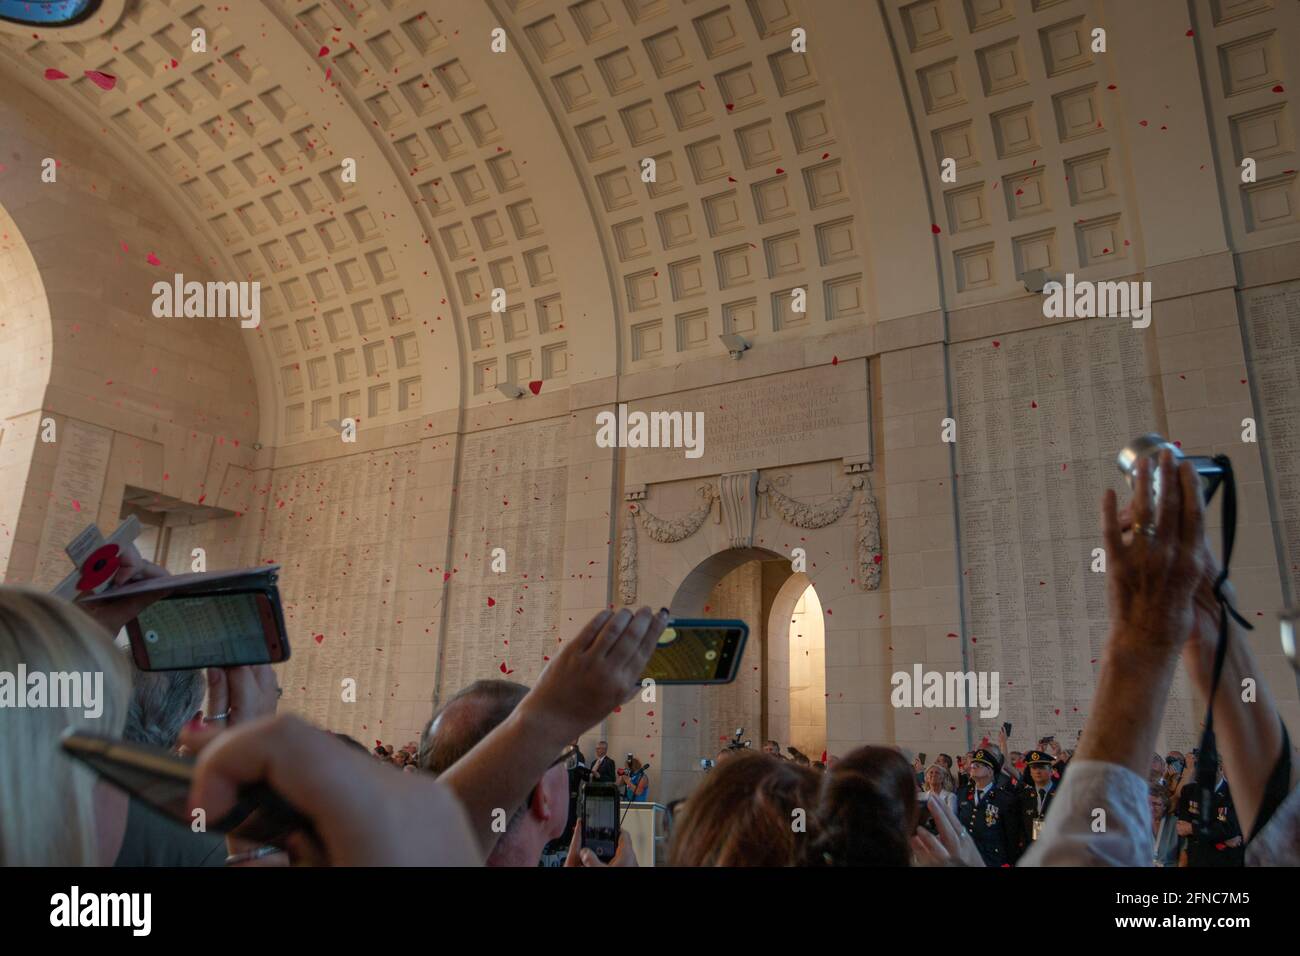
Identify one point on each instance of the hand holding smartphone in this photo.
(698, 651)
(598, 808)
(220, 619)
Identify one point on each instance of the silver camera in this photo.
(1150, 446)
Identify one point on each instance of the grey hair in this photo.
(161, 703)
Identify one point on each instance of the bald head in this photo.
(465, 720)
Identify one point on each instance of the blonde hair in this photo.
(48, 799)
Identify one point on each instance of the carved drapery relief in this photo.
(738, 501)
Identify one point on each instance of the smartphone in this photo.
(598, 805)
(1006, 728)
(162, 780)
(221, 629)
(693, 651)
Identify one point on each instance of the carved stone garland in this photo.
(809, 516)
(659, 529)
(792, 511)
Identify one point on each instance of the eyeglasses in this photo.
(564, 756)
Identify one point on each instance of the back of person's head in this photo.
(465, 719)
(743, 814)
(47, 798)
(161, 703)
(866, 811)
(454, 731)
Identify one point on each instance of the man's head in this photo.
(602, 746)
(1157, 766)
(1040, 767)
(454, 731)
(772, 747)
(946, 760)
(1158, 798)
(985, 764)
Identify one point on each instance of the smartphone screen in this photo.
(698, 652)
(210, 630)
(598, 805)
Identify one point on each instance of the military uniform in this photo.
(991, 816)
(1210, 848)
(1032, 803)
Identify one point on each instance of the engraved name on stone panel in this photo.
(1273, 333)
(775, 420)
(1040, 416)
(336, 529)
(75, 492)
(510, 495)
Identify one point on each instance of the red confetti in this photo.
(1033, 404)
(1279, 88)
(324, 51)
(492, 602)
(53, 74)
(835, 360)
(779, 171)
(997, 344)
(535, 387)
(152, 260)
(935, 229)
(105, 81)
(877, 559)
(319, 637)
(1191, 33)
(76, 505)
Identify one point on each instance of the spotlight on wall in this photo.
(1036, 280)
(735, 344)
(509, 389)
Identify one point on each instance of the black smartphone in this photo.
(221, 629)
(598, 806)
(1006, 727)
(162, 780)
(922, 759)
(697, 651)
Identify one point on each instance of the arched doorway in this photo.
(779, 690)
(795, 693)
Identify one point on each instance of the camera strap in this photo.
(1207, 762)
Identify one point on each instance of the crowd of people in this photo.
(490, 779)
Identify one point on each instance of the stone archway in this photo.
(795, 669)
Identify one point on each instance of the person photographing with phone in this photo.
(634, 781)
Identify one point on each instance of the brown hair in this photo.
(867, 811)
(744, 813)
